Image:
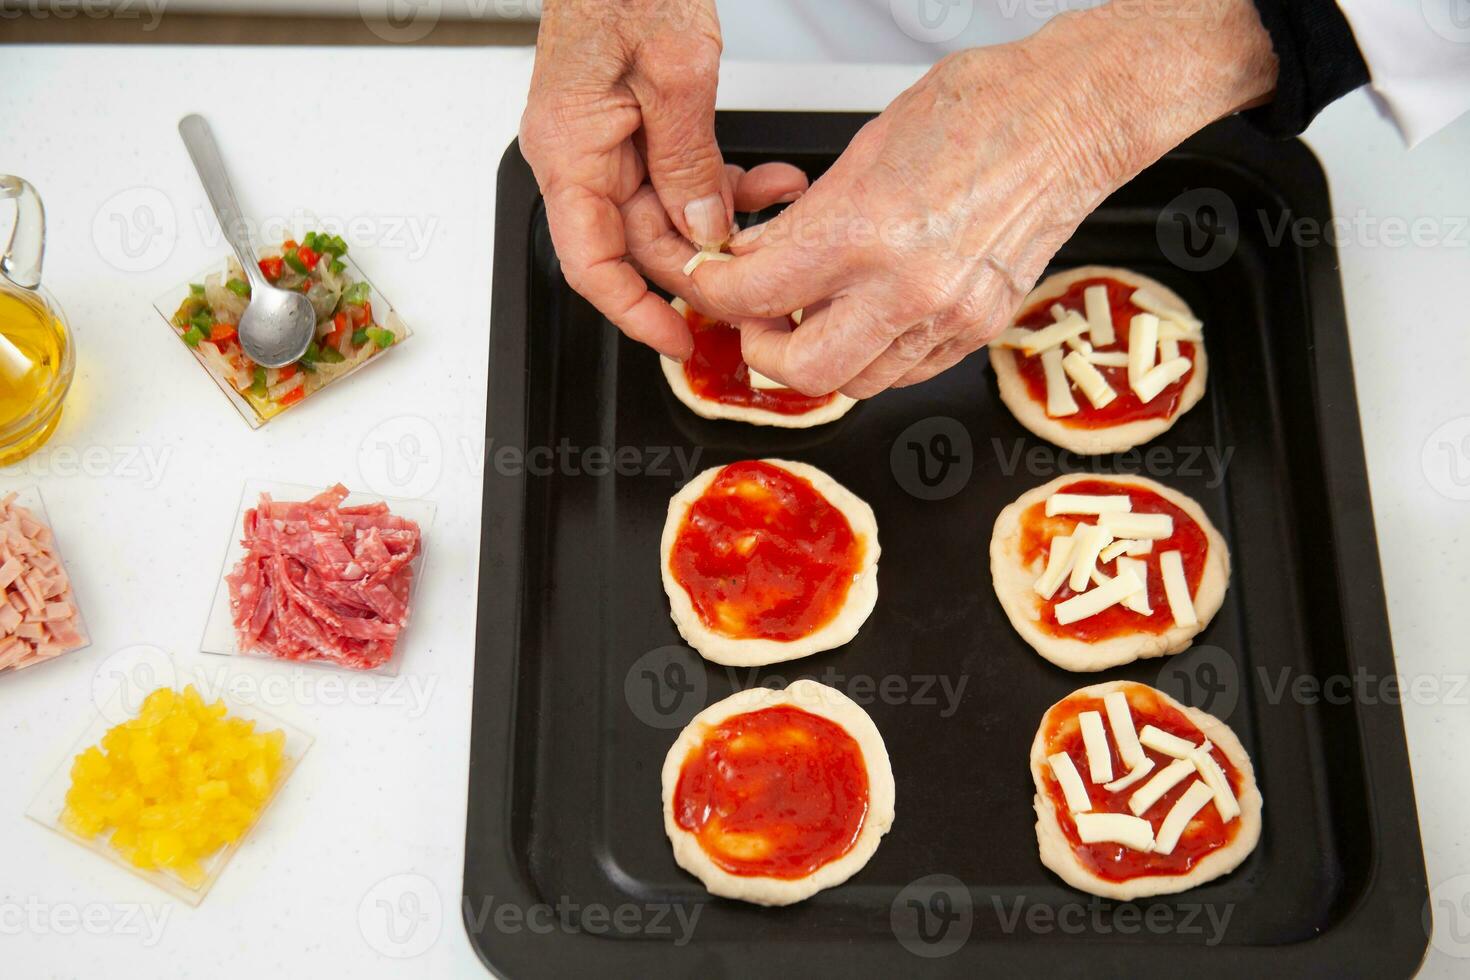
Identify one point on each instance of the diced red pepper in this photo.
(360, 315)
(222, 332)
(289, 244)
(287, 373)
(308, 257)
(272, 267)
(294, 395)
(339, 327)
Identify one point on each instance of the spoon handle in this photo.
(204, 151)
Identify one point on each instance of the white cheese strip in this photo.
(703, 256)
(1078, 343)
(1168, 349)
(1095, 601)
(1095, 740)
(1059, 400)
(1059, 312)
(1071, 782)
(1180, 814)
(1161, 741)
(1087, 503)
(1011, 337)
(796, 316)
(1058, 563)
(1166, 779)
(1138, 601)
(1087, 541)
(1147, 388)
(1120, 719)
(1143, 338)
(761, 382)
(1054, 335)
(1150, 527)
(1089, 379)
(1108, 358)
(1214, 777)
(1115, 828)
(1099, 315)
(1147, 299)
(1134, 775)
(1132, 547)
(1171, 566)
(1176, 331)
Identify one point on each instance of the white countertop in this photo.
(402, 146)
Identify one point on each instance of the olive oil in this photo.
(33, 348)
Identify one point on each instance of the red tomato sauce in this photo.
(1124, 408)
(716, 371)
(762, 554)
(1116, 862)
(777, 793)
(1037, 531)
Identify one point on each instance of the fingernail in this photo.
(791, 198)
(708, 224)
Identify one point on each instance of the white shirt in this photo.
(1418, 51)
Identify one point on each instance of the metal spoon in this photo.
(277, 326)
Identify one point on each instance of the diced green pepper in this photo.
(259, 388)
(196, 289)
(356, 294)
(203, 321)
(239, 287)
(359, 337)
(337, 266)
(310, 241)
(330, 355)
(294, 261)
(380, 336)
(193, 335)
(333, 245)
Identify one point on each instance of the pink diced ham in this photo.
(38, 617)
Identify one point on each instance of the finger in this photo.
(827, 351)
(768, 184)
(588, 233)
(941, 359)
(906, 352)
(675, 87)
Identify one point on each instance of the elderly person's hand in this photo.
(918, 245)
(621, 113)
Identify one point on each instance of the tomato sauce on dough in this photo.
(1189, 539)
(763, 555)
(774, 793)
(1205, 834)
(717, 371)
(1124, 408)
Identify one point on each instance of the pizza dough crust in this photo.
(1091, 442)
(1056, 851)
(1014, 581)
(708, 408)
(817, 699)
(755, 652)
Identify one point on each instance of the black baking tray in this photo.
(580, 685)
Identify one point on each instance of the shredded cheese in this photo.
(1156, 379)
(1176, 589)
(1095, 741)
(1214, 777)
(1087, 503)
(1154, 527)
(1120, 719)
(1115, 828)
(1067, 777)
(1088, 540)
(1059, 400)
(1058, 563)
(1089, 379)
(1138, 601)
(1099, 315)
(1152, 302)
(1161, 741)
(705, 255)
(1143, 338)
(1166, 779)
(1179, 816)
(1096, 600)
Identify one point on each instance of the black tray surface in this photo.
(581, 683)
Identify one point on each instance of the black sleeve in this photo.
(1319, 58)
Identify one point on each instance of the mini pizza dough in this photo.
(822, 701)
(862, 595)
(1056, 851)
(710, 408)
(1014, 581)
(1091, 442)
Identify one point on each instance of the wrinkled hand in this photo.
(918, 245)
(621, 113)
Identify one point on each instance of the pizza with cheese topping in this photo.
(1138, 795)
(768, 560)
(1097, 571)
(1100, 360)
(772, 796)
(716, 383)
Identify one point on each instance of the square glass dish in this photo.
(50, 803)
(354, 329)
(30, 499)
(219, 630)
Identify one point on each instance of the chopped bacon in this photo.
(320, 581)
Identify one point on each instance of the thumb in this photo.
(676, 92)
